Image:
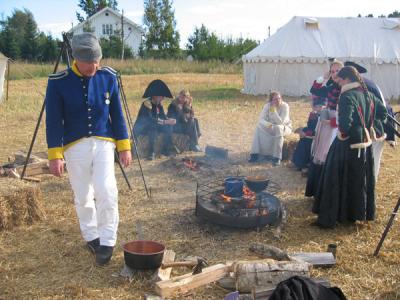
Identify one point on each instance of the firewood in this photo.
(32, 179)
(185, 283)
(164, 274)
(268, 251)
(251, 274)
(35, 168)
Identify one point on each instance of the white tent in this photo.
(298, 53)
(3, 67)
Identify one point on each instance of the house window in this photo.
(107, 29)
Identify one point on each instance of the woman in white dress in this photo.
(274, 124)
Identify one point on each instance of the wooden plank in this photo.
(317, 259)
(35, 168)
(165, 274)
(264, 292)
(185, 283)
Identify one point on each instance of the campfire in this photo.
(190, 164)
(248, 195)
(247, 211)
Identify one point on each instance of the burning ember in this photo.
(248, 196)
(190, 164)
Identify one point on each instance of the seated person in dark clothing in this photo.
(152, 120)
(302, 155)
(181, 110)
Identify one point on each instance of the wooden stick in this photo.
(185, 283)
(165, 274)
(33, 179)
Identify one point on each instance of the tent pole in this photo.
(8, 77)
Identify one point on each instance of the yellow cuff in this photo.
(272, 109)
(55, 153)
(123, 145)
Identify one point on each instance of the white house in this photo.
(106, 21)
(298, 53)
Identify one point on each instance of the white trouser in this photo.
(377, 149)
(90, 165)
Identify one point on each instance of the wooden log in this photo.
(185, 283)
(251, 274)
(264, 292)
(165, 274)
(32, 179)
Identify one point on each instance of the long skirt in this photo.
(313, 179)
(302, 154)
(348, 186)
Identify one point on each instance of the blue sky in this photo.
(246, 18)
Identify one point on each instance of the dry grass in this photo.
(20, 203)
(48, 260)
(24, 70)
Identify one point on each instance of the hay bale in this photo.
(19, 203)
(289, 145)
(181, 141)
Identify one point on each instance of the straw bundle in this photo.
(289, 145)
(19, 203)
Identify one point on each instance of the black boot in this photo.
(253, 157)
(93, 245)
(103, 254)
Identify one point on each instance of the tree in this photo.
(20, 38)
(47, 48)
(112, 47)
(395, 14)
(169, 36)
(161, 38)
(18, 23)
(90, 7)
(203, 45)
(8, 45)
(28, 46)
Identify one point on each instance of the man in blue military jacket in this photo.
(84, 124)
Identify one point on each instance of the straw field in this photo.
(48, 260)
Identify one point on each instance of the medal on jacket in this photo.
(107, 98)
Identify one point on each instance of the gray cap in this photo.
(85, 47)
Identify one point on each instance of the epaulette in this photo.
(147, 104)
(58, 75)
(109, 70)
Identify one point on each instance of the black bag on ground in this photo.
(303, 288)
